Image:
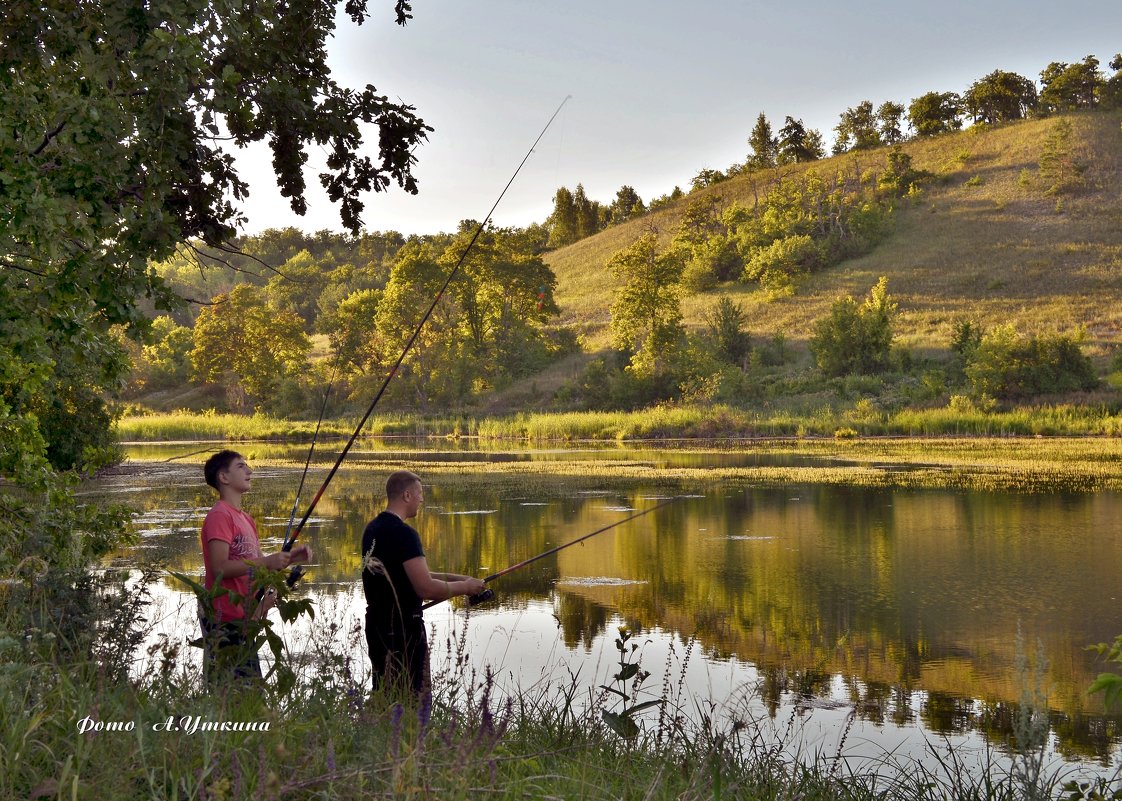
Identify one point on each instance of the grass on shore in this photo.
(327, 739)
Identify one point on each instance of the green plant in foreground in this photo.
(623, 722)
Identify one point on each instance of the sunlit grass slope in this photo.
(984, 241)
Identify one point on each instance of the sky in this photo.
(660, 89)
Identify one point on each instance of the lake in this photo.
(896, 616)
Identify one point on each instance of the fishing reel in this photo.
(481, 597)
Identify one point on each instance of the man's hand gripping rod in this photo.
(488, 594)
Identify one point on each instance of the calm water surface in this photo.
(812, 602)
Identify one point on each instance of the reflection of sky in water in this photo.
(901, 598)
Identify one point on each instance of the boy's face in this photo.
(238, 476)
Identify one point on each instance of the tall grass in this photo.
(327, 739)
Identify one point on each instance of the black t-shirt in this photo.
(394, 542)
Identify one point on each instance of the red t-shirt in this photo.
(224, 522)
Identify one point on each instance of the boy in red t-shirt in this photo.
(231, 549)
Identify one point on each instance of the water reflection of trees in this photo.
(900, 590)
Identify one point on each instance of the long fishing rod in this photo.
(308, 461)
(488, 594)
(298, 571)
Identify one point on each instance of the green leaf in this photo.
(645, 705)
(627, 672)
(621, 725)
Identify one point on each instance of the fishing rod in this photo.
(488, 594)
(298, 571)
(308, 461)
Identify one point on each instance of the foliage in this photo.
(165, 360)
(858, 128)
(1000, 97)
(725, 321)
(1068, 87)
(797, 144)
(627, 684)
(900, 176)
(889, 115)
(935, 113)
(856, 339)
(765, 146)
(778, 264)
(1009, 366)
(246, 346)
(1061, 169)
(352, 330)
(646, 313)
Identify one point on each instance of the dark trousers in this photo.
(399, 653)
(227, 654)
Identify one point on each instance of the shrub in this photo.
(1008, 366)
(856, 339)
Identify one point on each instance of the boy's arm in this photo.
(219, 553)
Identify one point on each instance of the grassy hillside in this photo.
(984, 241)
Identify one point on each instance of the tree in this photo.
(1000, 97)
(796, 144)
(627, 204)
(857, 128)
(646, 313)
(563, 220)
(353, 333)
(246, 346)
(934, 113)
(588, 213)
(1067, 87)
(765, 147)
(166, 359)
(855, 339)
(118, 124)
(1111, 93)
(725, 321)
(889, 115)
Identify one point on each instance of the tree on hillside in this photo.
(627, 204)
(1000, 97)
(935, 113)
(646, 313)
(795, 143)
(725, 322)
(707, 177)
(587, 213)
(246, 346)
(856, 339)
(857, 129)
(563, 220)
(765, 147)
(889, 115)
(1067, 87)
(1111, 96)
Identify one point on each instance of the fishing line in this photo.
(554, 550)
(297, 572)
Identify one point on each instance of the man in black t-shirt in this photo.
(395, 580)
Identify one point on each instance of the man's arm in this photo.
(434, 586)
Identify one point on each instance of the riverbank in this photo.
(73, 730)
(961, 418)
